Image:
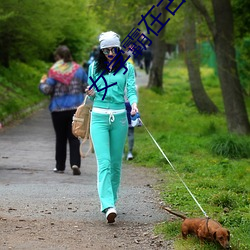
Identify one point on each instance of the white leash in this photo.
(174, 169)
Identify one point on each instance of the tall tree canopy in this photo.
(242, 33)
(122, 16)
(28, 31)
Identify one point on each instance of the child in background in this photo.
(130, 133)
(130, 127)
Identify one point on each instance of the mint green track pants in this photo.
(108, 136)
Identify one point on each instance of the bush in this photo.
(19, 88)
(231, 146)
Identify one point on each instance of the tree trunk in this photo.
(159, 51)
(201, 99)
(235, 109)
(223, 37)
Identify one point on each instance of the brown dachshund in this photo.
(204, 229)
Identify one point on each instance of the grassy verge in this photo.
(19, 88)
(212, 163)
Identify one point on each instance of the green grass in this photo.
(19, 88)
(214, 164)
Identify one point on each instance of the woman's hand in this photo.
(134, 109)
(90, 92)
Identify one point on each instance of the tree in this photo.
(242, 32)
(223, 37)
(159, 51)
(241, 17)
(167, 13)
(23, 33)
(28, 33)
(201, 99)
(126, 20)
(117, 15)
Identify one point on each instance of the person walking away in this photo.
(109, 123)
(148, 56)
(93, 55)
(65, 84)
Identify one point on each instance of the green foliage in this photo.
(241, 17)
(243, 60)
(224, 200)
(19, 87)
(242, 35)
(28, 33)
(231, 146)
(175, 27)
(210, 129)
(120, 16)
(170, 230)
(219, 183)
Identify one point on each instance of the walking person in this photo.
(65, 84)
(148, 57)
(92, 57)
(109, 123)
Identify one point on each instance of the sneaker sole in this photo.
(111, 217)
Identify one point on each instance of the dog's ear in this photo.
(214, 235)
(228, 237)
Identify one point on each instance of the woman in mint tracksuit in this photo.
(109, 123)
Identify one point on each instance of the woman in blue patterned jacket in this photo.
(65, 84)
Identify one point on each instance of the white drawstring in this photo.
(109, 112)
(111, 117)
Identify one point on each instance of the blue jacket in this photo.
(65, 97)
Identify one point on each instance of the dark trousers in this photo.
(62, 122)
(130, 129)
(131, 139)
(147, 65)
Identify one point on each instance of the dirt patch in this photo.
(51, 234)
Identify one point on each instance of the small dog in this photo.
(204, 229)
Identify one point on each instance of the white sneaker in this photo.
(111, 214)
(130, 156)
(58, 171)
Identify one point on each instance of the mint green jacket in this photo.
(114, 98)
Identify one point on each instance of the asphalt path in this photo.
(26, 164)
(31, 190)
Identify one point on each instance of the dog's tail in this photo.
(175, 213)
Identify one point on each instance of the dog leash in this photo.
(174, 169)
